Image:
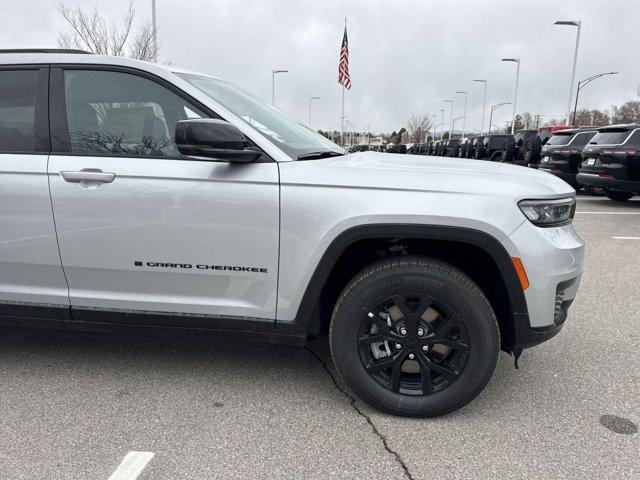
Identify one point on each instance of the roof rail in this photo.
(43, 50)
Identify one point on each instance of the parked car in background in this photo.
(471, 153)
(452, 148)
(562, 154)
(513, 151)
(466, 144)
(533, 145)
(611, 160)
(491, 147)
(400, 148)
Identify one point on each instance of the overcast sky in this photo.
(405, 56)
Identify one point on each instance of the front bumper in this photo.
(553, 259)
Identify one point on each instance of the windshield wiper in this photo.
(322, 154)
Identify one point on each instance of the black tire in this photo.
(618, 196)
(453, 304)
(496, 156)
(479, 151)
(532, 148)
(509, 151)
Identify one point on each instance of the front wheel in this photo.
(618, 196)
(414, 336)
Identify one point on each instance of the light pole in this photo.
(464, 113)
(273, 85)
(581, 84)
(495, 107)
(154, 31)
(442, 121)
(484, 102)
(572, 23)
(450, 118)
(515, 93)
(434, 127)
(458, 118)
(311, 99)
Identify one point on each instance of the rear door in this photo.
(142, 228)
(30, 269)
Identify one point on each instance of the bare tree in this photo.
(418, 127)
(585, 116)
(628, 112)
(90, 31)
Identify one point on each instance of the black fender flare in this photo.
(486, 242)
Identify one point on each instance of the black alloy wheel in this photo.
(413, 344)
(414, 336)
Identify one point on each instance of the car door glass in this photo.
(17, 110)
(115, 113)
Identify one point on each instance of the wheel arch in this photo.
(478, 254)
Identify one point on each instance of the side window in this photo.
(583, 138)
(17, 110)
(634, 139)
(114, 113)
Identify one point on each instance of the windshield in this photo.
(284, 131)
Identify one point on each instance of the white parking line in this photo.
(610, 213)
(626, 238)
(131, 466)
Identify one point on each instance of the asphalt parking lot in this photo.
(74, 404)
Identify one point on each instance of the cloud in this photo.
(406, 56)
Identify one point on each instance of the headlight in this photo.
(549, 213)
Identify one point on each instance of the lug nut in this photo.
(425, 348)
(420, 332)
(411, 356)
(403, 331)
(398, 346)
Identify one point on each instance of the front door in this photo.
(142, 228)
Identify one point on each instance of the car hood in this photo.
(375, 170)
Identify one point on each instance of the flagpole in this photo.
(342, 117)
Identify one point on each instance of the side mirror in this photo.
(212, 138)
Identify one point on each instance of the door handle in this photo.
(88, 175)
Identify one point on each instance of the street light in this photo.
(442, 121)
(581, 84)
(459, 118)
(493, 108)
(450, 117)
(273, 83)
(464, 113)
(515, 93)
(484, 102)
(311, 99)
(154, 31)
(572, 23)
(434, 127)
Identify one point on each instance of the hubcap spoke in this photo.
(425, 374)
(442, 331)
(369, 339)
(381, 324)
(377, 366)
(457, 344)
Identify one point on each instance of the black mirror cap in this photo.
(213, 138)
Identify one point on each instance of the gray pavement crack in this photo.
(354, 405)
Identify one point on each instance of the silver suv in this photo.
(155, 199)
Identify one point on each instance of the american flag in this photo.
(343, 68)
